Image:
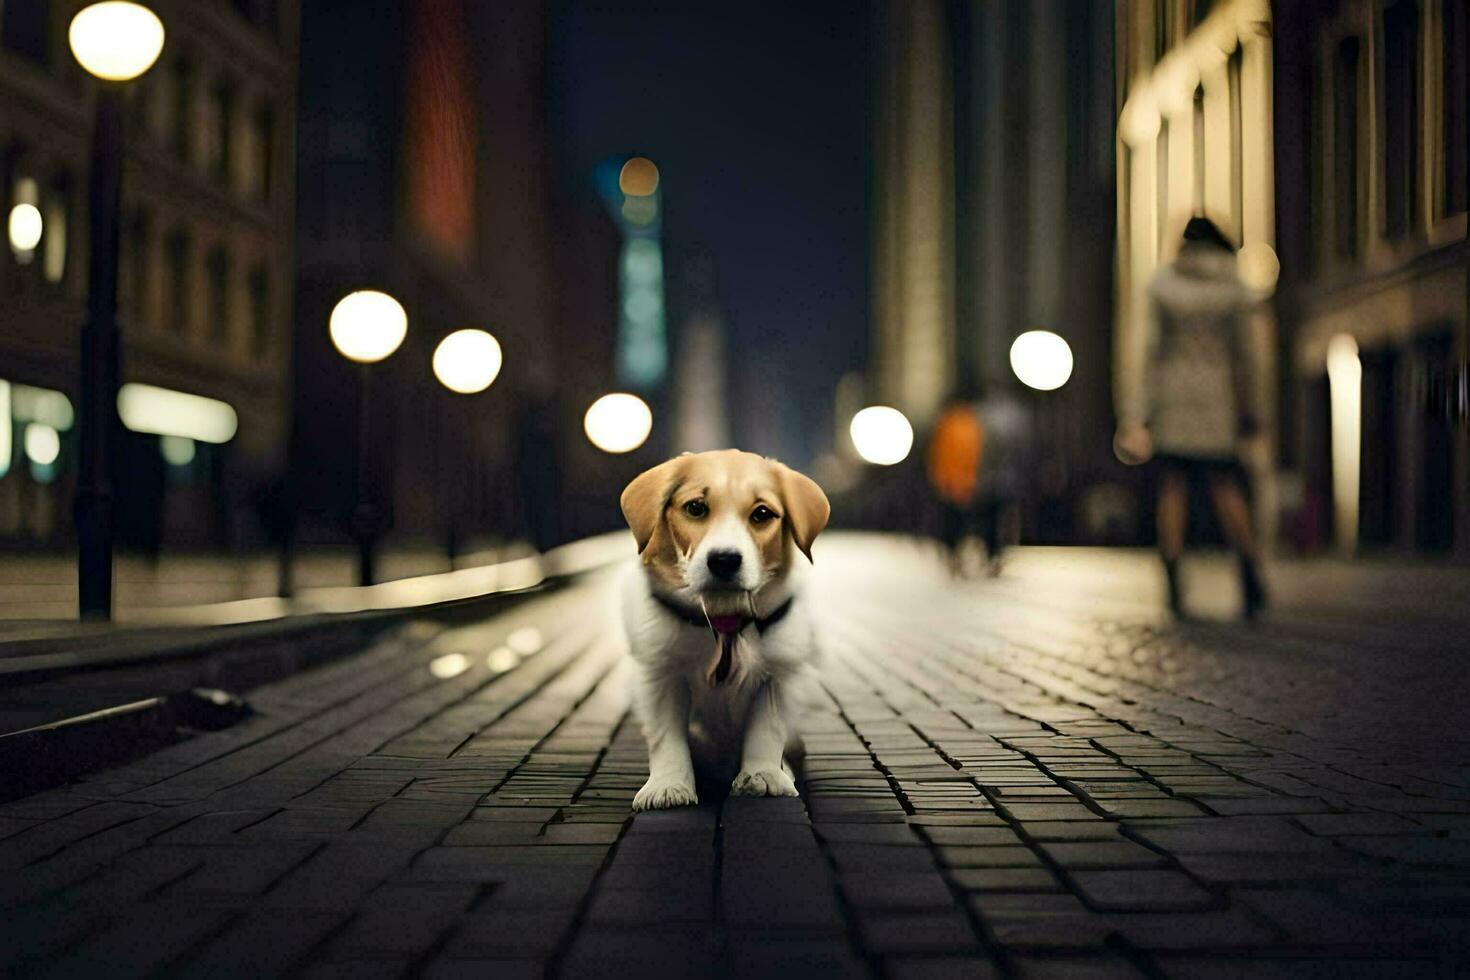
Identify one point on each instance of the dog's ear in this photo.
(644, 501)
(807, 508)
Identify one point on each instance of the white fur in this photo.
(741, 727)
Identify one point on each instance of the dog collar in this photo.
(725, 625)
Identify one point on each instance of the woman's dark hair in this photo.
(1203, 231)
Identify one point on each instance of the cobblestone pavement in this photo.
(1031, 777)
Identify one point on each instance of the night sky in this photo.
(757, 115)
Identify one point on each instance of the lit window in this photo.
(53, 244)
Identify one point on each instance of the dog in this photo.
(715, 626)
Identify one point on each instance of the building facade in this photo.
(206, 267)
(1371, 207)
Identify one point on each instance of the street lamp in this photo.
(881, 435)
(115, 41)
(618, 423)
(1041, 360)
(466, 363)
(366, 326)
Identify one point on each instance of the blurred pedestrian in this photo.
(1199, 402)
(953, 466)
(1004, 466)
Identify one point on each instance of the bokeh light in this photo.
(165, 412)
(467, 361)
(42, 444)
(882, 435)
(116, 40)
(1041, 359)
(1258, 266)
(449, 665)
(1345, 395)
(177, 450)
(368, 325)
(525, 641)
(25, 227)
(618, 423)
(638, 178)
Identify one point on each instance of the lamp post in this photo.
(466, 362)
(366, 326)
(115, 41)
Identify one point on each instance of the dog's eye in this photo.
(762, 514)
(696, 508)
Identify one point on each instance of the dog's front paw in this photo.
(664, 794)
(764, 782)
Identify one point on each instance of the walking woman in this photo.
(1199, 402)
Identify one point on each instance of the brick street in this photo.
(1030, 776)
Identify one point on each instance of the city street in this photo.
(1035, 775)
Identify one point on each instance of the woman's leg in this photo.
(1173, 513)
(1172, 517)
(1235, 521)
(1234, 513)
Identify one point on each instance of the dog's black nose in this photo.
(723, 564)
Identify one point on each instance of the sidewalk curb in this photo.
(168, 664)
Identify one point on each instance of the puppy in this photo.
(715, 626)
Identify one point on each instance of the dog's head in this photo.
(719, 524)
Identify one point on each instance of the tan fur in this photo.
(724, 480)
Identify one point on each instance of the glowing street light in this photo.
(366, 326)
(618, 423)
(1041, 359)
(117, 40)
(42, 444)
(467, 361)
(25, 227)
(882, 435)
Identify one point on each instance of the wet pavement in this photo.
(1031, 776)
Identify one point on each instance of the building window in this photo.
(1401, 116)
(183, 99)
(177, 310)
(138, 265)
(221, 129)
(1455, 42)
(263, 127)
(217, 267)
(25, 29)
(260, 310)
(55, 212)
(1345, 69)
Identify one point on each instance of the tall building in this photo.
(205, 278)
(1371, 206)
(993, 197)
(913, 208)
(425, 173)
